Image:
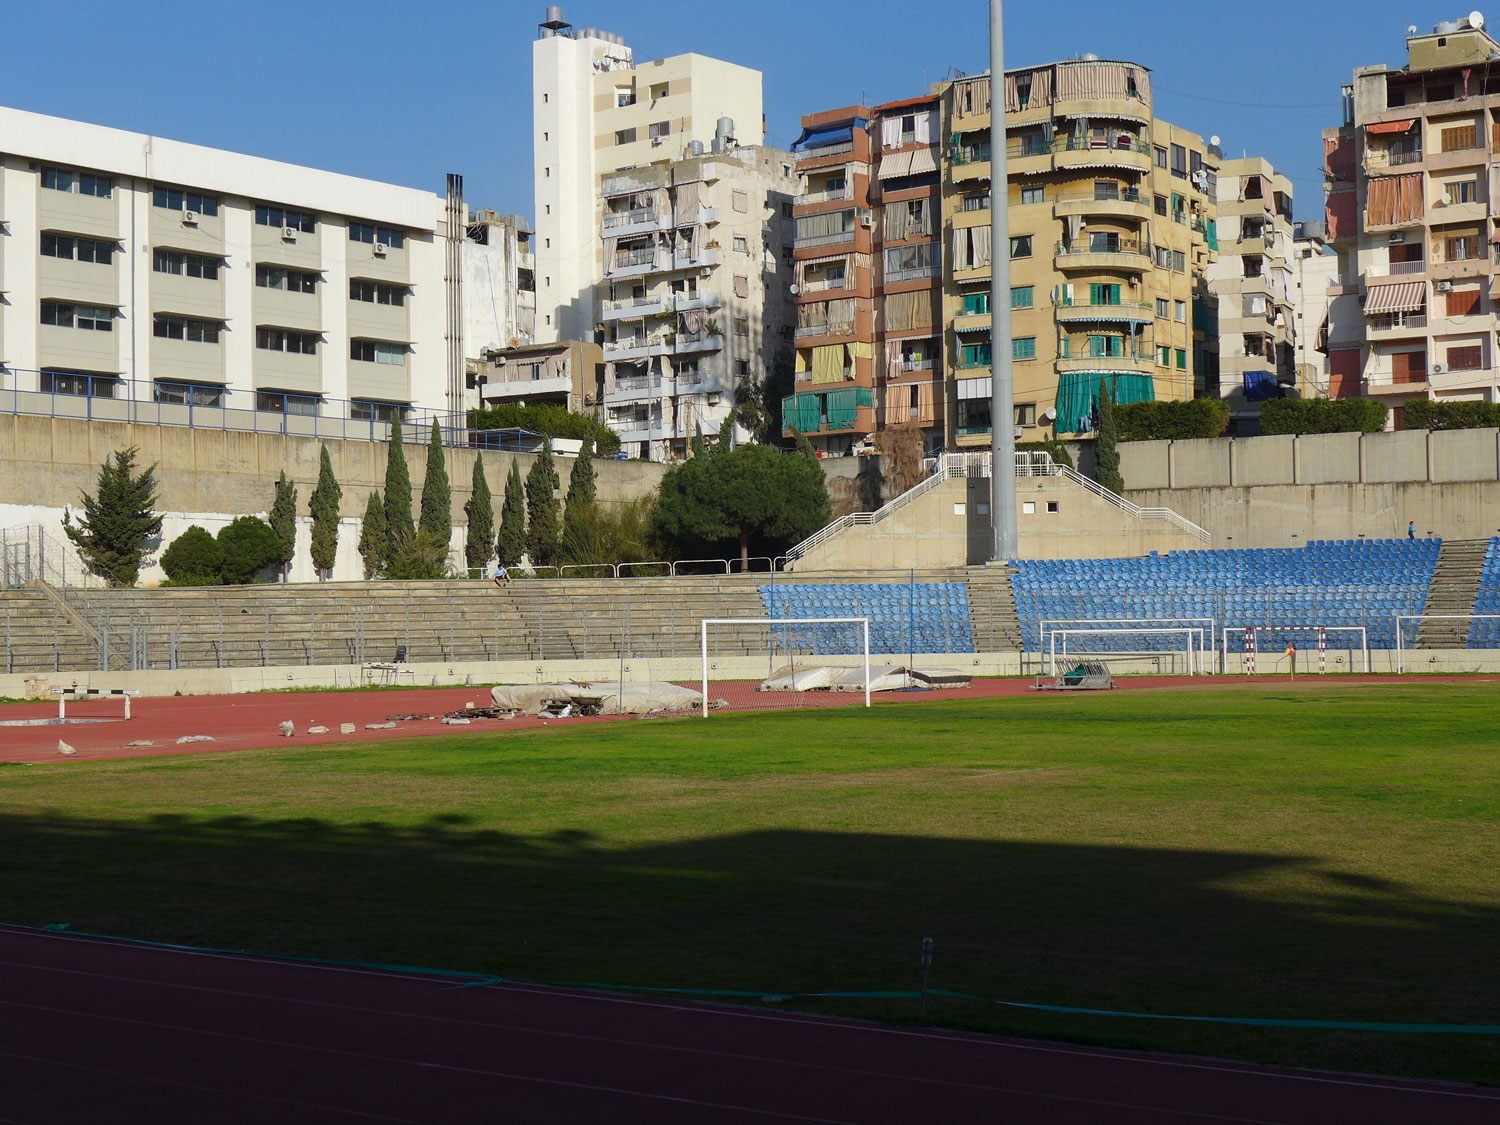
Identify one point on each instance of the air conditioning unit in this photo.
(656, 142)
(190, 217)
(866, 222)
(713, 400)
(1438, 369)
(289, 234)
(380, 248)
(1396, 239)
(705, 272)
(1444, 286)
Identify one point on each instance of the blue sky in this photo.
(380, 89)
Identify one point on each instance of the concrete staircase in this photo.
(1455, 585)
(37, 636)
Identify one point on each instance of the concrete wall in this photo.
(209, 477)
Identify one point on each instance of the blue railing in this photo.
(101, 398)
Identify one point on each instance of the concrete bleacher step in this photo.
(1455, 586)
(38, 637)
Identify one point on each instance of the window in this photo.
(742, 326)
(1103, 346)
(79, 183)
(1104, 294)
(1161, 205)
(1163, 308)
(658, 91)
(1020, 297)
(178, 199)
(741, 244)
(185, 265)
(1179, 162)
(1179, 311)
(1179, 261)
(1461, 247)
(977, 202)
(742, 283)
(364, 232)
(1104, 242)
(268, 216)
(740, 201)
(786, 210)
(975, 355)
(1164, 356)
(84, 386)
(1025, 413)
(376, 292)
(188, 328)
(1181, 359)
(1464, 302)
(189, 394)
(742, 367)
(368, 411)
(1023, 347)
(1020, 246)
(1460, 191)
(1458, 138)
(278, 402)
(660, 129)
(624, 96)
(79, 249)
(1467, 358)
(293, 281)
(1159, 155)
(624, 136)
(976, 304)
(1033, 195)
(282, 340)
(94, 318)
(376, 351)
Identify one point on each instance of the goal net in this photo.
(782, 663)
(1171, 649)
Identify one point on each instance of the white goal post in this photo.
(1421, 617)
(1194, 639)
(1251, 637)
(771, 623)
(1047, 624)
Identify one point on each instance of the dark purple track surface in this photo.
(95, 1030)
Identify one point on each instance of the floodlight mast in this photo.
(1002, 387)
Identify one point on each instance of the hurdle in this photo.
(65, 693)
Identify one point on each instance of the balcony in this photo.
(633, 263)
(1134, 312)
(703, 299)
(1127, 204)
(1124, 255)
(624, 224)
(1442, 211)
(1389, 383)
(971, 163)
(630, 348)
(914, 273)
(825, 195)
(1088, 153)
(690, 342)
(971, 322)
(1458, 267)
(632, 308)
(1105, 364)
(1391, 326)
(1462, 157)
(835, 239)
(636, 388)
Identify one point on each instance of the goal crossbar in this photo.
(1189, 634)
(1420, 617)
(1252, 633)
(863, 622)
(1046, 624)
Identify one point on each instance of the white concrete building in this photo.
(1314, 268)
(150, 279)
(595, 111)
(499, 292)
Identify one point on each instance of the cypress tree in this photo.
(511, 543)
(697, 445)
(437, 495)
(583, 482)
(323, 505)
(373, 541)
(283, 521)
(117, 520)
(1106, 456)
(399, 530)
(480, 510)
(541, 509)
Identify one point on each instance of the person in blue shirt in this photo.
(501, 576)
(1411, 530)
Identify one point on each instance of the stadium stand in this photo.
(1340, 582)
(904, 617)
(1482, 633)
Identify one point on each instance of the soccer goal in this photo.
(775, 663)
(1271, 642)
(1064, 644)
(1405, 642)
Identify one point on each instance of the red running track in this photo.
(250, 721)
(95, 1030)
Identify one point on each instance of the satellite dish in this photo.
(1214, 140)
(1411, 29)
(1050, 414)
(1476, 20)
(794, 289)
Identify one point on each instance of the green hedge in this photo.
(1322, 416)
(1057, 450)
(1424, 414)
(1172, 421)
(554, 421)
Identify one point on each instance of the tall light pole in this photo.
(1002, 389)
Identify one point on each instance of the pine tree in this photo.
(804, 446)
(283, 521)
(399, 529)
(1106, 456)
(480, 510)
(324, 508)
(437, 493)
(541, 509)
(510, 545)
(117, 520)
(373, 540)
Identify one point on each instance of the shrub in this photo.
(1424, 414)
(1322, 416)
(1056, 449)
(194, 558)
(1172, 421)
(118, 520)
(553, 421)
(249, 546)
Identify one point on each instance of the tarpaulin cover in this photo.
(612, 698)
(1259, 385)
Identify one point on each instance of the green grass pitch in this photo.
(1305, 852)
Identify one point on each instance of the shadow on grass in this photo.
(1189, 932)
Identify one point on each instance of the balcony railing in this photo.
(915, 363)
(1382, 322)
(826, 239)
(811, 330)
(630, 218)
(1407, 267)
(827, 150)
(1106, 144)
(979, 154)
(820, 284)
(1124, 246)
(912, 273)
(824, 196)
(634, 258)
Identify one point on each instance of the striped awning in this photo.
(1403, 296)
(894, 164)
(923, 160)
(962, 329)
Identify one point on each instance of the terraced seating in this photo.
(1482, 633)
(37, 637)
(1331, 582)
(904, 616)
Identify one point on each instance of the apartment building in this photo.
(567, 373)
(1411, 180)
(139, 270)
(1253, 283)
(1112, 229)
(1314, 269)
(595, 112)
(499, 291)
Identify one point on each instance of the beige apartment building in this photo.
(1254, 285)
(1411, 186)
(1112, 225)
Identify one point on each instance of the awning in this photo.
(1403, 296)
(1391, 127)
(895, 164)
(985, 327)
(1495, 238)
(828, 135)
(923, 160)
